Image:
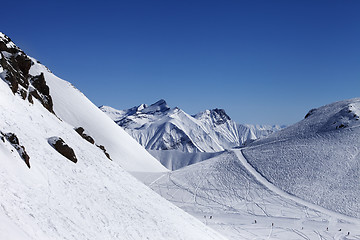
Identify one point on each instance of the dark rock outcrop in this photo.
(4, 41)
(219, 116)
(16, 65)
(61, 147)
(17, 68)
(81, 132)
(88, 138)
(41, 91)
(310, 113)
(14, 141)
(104, 150)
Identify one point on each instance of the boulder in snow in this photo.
(59, 145)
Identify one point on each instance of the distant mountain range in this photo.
(159, 127)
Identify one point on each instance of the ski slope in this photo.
(174, 159)
(227, 188)
(55, 198)
(74, 108)
(316, 159)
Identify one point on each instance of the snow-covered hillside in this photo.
(174, 159)
(158, 127)
(227, 194)
(317, 159)
(62, 165)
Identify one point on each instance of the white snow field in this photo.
(244, 205)
(174, 159)
(158, 127)
(55, 198)
(74, 108)
(316, 159)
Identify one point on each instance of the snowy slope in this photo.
(317, 158)
(174, 159)
(158, 127)
(74, 108)
(243, 205)
(55, 198)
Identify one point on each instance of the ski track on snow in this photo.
(294, 218)
(280, 192)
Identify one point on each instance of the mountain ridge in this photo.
(316, 159)
(159, 127)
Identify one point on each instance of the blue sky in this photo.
(264, 62)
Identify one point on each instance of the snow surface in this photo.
(173, 159)
(92, 199)
(229, 190)
(74, 108)
(317, 158)
(7, 41)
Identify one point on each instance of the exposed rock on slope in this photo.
(14, 141)
(59, 145)
(14, 70)
(81, 132)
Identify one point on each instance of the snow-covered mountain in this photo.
(317, 159)
(62, 165)
(230, 196)
(301, 182)
(159, 127)
(187, 139)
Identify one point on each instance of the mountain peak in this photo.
(217, 115)
(220, 113)
(6, 44)
(141, 107)
(15, 68)
(160, 106)
(161, 102)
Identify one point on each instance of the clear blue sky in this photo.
(265, 62)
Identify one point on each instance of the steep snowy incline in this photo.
(73, 107)
(316, 159)
(33, 81)
(227, 194)
(57, 184)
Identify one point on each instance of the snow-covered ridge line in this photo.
(159, 127)
(316, 159)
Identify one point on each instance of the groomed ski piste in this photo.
(229, 195)
(316, 159)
